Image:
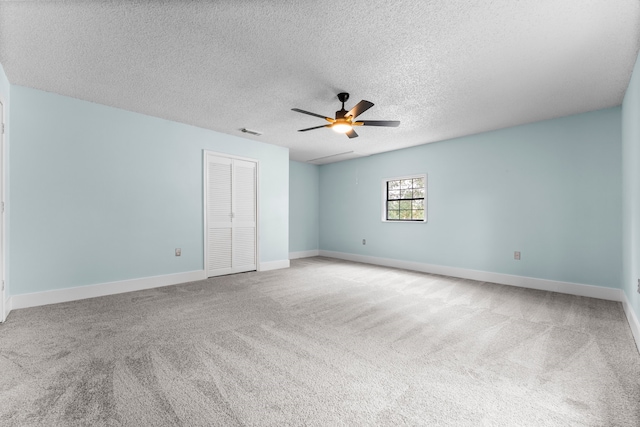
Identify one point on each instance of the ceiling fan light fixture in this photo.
(345, 120)
(341, 127)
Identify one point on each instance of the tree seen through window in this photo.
(406, 199)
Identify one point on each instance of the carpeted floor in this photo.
(324, 343)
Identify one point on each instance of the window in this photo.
(405, 199)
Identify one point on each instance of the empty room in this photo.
(281, 213)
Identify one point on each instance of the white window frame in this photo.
(384, 199)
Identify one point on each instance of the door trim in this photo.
(205, 187)
(3, 176)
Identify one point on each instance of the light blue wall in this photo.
(631, 190)
(304, 208)
(101, 194)
(551, 190)
(5, 96)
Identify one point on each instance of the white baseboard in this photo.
(304, 254)
(274, 265)
(7, 307)
(91, 291)
(102, 289)
(600, 292)
(632, 318)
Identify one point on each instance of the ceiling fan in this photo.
(345, 120)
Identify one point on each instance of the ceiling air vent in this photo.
(251, 132)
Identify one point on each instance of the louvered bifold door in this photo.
(244, 216)
(219, 215)
(231, 206)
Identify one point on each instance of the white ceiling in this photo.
(443, 68)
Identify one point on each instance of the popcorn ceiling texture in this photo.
(445, 69)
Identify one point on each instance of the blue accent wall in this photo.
(304, 207)
(631, 190)
(551, 190)
(101, 194)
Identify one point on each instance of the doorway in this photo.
(3, 308)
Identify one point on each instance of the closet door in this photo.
(231, 215)
(219, 215)
(244, 216)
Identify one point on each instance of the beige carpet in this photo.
(324, 343)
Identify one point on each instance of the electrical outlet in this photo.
(364, 241)
(516, 255)
(178, 251)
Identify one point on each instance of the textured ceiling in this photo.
(443, 68)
